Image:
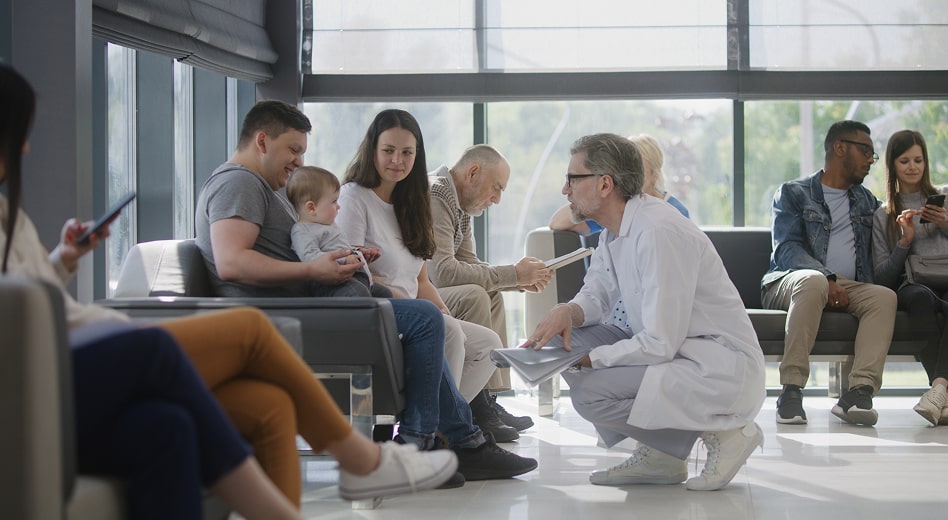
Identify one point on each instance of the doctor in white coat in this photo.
(689, 365)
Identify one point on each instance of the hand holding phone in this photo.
(105, 219)
(934, 200)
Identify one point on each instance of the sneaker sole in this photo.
(631, 481)
(857, 416)
(491, 474)
(403, 488)
(792, 420)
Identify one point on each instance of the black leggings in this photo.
(921, 303)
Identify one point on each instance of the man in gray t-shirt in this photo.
(242, 224)
(233, 191)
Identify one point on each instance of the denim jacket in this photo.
(801, 229)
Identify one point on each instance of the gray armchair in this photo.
(351, 343)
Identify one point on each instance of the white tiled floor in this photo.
(827, 469)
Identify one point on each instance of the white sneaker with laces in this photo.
(645, 466)
(932, 403)
(402, 469)
(727, 452)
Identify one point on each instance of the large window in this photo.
(525, 35)
(848, 34)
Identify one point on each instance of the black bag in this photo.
(930, 271)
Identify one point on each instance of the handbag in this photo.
(930, 271)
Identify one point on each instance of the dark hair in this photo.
(273, 118)
(842, 130)
(16, 117)
(310, 183)
(899, 143)
(410, 197)
(615, 156)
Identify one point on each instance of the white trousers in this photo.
(467, 349)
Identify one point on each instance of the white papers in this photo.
(569, 258)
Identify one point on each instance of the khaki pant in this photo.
(263, 386)
(804, 295)
(473, 304)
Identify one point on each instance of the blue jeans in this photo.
(432, 401)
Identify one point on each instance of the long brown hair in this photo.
(410, 197)
(16, 116)
(899, 143)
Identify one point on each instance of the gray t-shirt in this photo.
(841, 252)
(234, 191)
(312, 240)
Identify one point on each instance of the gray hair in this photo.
(615, 156)
(482, 154)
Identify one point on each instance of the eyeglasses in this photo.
(866, 149)
(570, 177)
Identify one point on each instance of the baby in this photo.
(314, 193)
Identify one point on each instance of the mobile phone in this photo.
(105, 219)
(934, 200)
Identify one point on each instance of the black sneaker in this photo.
(519, 423)
(790, 406)
(485, 417)
(855, 406)
(489, 461)
(456, 480)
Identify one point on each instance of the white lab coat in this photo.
(706, 368)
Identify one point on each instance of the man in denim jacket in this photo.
(821, 259)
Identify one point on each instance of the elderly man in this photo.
(470, 287)
(689, 365)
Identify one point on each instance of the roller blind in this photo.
(226, 36)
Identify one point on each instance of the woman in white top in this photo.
(385, 203)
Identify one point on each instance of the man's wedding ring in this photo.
(835, 302)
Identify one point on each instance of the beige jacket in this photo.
(455, 261)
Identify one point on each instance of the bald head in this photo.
(480, 177)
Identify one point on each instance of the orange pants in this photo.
(263, 386)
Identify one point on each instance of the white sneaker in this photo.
(645, 466)
(402, 469)
(727, 452)
(932, 403)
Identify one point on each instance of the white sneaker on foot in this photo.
(645, 466)
(402, 469)
(932, 403)
(727, 452)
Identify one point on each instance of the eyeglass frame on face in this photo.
(570, 177)
(867, 149)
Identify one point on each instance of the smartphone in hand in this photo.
(934, 200)
(105, 219)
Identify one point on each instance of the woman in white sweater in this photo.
(385, 203)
